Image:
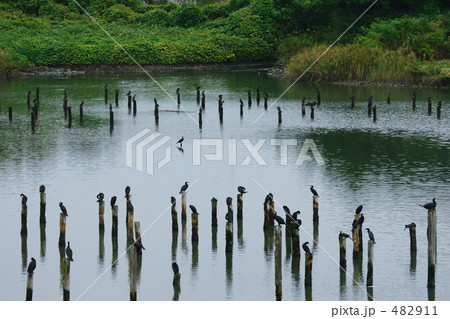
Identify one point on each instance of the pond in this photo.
(389, 166)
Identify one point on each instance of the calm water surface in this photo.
(389, 166)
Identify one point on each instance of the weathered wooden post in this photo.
(173, 202)
(229, 226)
(194, 222)
(29, 99)
(280, 119)
(33, 123)
(369, 106)
(183, 205)
(315, 208)
(278, 264)
(10, 114)
(203, 99)
(432, 243)
(438, 110)
(374, 109)
(342, 251)
(356, 236)
(369, 280)
(429, 105)
(129, 101)
(65, 105)
(308, 269)
(240, 205)
(69, 110)
(156, 112)
(318, 97)
(62, 230)
(249, 96)
(241, 108)
(214, 212)
(115, 221)
(66, 279)
(295, 235)
(200, 120)
(178, 97)
(101, 215)
(266, 96)
(303, 106)
(23, 214)
(81, 113)
(412, 236)
(133, 272)
(29, 294)
(258, 95)
(38, 96)
(414, 101)
(137, 235)
(134, 105)
(312, 112)
(106, 93)
(116, 99)
(221, 112)
(111, 120)
(198, 95)
(268, 212)
(352, 101)
(389, 98)
(130, 225)
(43, 204)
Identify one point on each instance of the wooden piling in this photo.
(280, 118)
(315, 208)
(38, 96)
(369, 280)
(432, 246)
(342, 252)
(266, 96)
(116, 97)
(249, 98)
(33, 123)
(23, 214)
(414, 101)
(352, 101)
(134, 105)
(221, 112)
(62, 230)
(130, 224)
(369, 107)
(200, 120)
(258, 95)
(133, 265)
(240, 206)
(115, 221)
(198, 95)
(412, 238)
(10, 115)
(106, 93)
(101, 215)
(173, 202)
(156, 112)
(429, 106)
(183, 206)
(241, 108)
(65, 107)
(295, 234)
(29, 293)
(176, 278)
(137, 235)
(29, 99)
(438, 110)
(304, 106)
(213, 212)
(43, 204)
(278, 264)
(178, 97)
(129, 102)
(374, 112)
(356, 240)
(269, 213)
(312, 112)
(69, 110)
(203, 99)
(81, 113)
(308, 269)
(194, 223)
(111, 120)
(66, 279)
(229, 237)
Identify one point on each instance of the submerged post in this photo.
(249, 95)
(280, 119)
(266, 96)
(200, 120)
(173, 202)
(129, 101)
(374, 110)
(278, 264)
(115, 221)
(133, 272)
(178, 96)
(81, 113)
(312, 112)
(213, 212)
(369, 106)
(62, 230)
(111, 120)
(303, 106)
(101, 215)
(134, 105)
(29, 99)
(352, 101)
(258, 95)
(370, 246)
(198, 95)
(315, 208)
(414, 101)
(33, 123)
(432, 249)
(66, 279)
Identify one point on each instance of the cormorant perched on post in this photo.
(31, 266)
(355, 224)
(359, 209)
(279, 219)
(229, 201)
(361, 219)
(129, 92)
(430, 205)
(184, 187)
(180, 141)
(69, 251)
(268, 199)
(313, 191)
(341, 234)
(295, 214)
(63, 209)
(409, 226)
(100, 197)
(127, 192)
(287, 210)
(296, 223)
(175, 268)
(42, 189)
(229, 217)
(113, 201)
(306, 248)
(371, 236)
(130, 207)
(241, 189)
(138, 245)
(24, 199)
(193, 209)
(172, 200)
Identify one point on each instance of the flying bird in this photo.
(241, 189)
(371, 236)
(24, 199)
(430, 205)
(69, 251)
(100, 197)
(63, 209)
(313, 191)
(184, 187)
(306, 248)
(31, 266)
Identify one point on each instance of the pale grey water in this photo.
(389, 166)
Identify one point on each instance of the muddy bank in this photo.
(105, 69)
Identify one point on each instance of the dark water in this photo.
(389, 166)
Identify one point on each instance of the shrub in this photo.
(154, 17)
(54, 11)
(118, 13)
(187, 15)
(214, 11)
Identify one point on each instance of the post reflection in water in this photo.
(194, 265)
(24, 252)
(115, 255)
(308, 293)
(184, 246)
(229, 274)
(413, 263)
(174, 245)
(268, 243)
(240, 234)
(43, 247)
(357, 270)
(214, 239)
(370, 296)
(342, 284)
(315, 236)
(101, 247)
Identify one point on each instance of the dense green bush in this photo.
(54, 11)
(154, 17)
(187, 15)
(215, 11)
(118, 13)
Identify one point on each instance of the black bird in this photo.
(361, 219)
(241, 189)
(229, 217)
(63, 209)
(268, 199)
(296, 223)
(130, 207)
(229, 201)
(286, 210)
(129, 93)
(410, 225)
(279, 219)
(69, 251)
(138, 245)
(100, 197)
(430, 205)
(359, 209)
(312, 104)
(180, 141)
(113, 201)
(24, 199)
(175, 268)
(313, 191)
(341, 234)
(295, 214)
(241, 103)
(184, 187)
(31, 266)
(355, 224)
(193, 209)
(306, 248)
(279, 109)
(127, 192)
(42, 189)
(173, 200)
(371, 236)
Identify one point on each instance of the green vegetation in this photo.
(399, 40)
